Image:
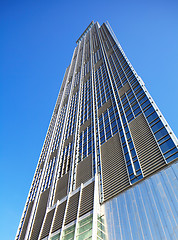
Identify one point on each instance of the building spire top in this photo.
(85, 32)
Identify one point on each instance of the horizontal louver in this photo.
(115, 177)
(22, 236)
(40, 215)
(61, 188)
(148, 152)
(47, 224)
(87, 199)
(72, 208)
(84, 171)
(59, 217)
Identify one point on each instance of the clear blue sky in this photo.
(36, 45)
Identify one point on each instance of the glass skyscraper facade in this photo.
(107, 168)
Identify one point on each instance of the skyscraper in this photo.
(107, 169)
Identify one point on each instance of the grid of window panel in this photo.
(121, 64)
(87, 67)
(130, 104)
(97, 56)
(164, 140)
(72, 115)
(49, 173)
(86, 143)
(84, 230)
(77, 79)
(95, 39)
(107, 124)
(86, 101)
(117, 70)
(101, 231)
(38, 173)
(66, 159)
(102, 85)
(87, 50)
(69, 233)
(59, 128)
(107, 42)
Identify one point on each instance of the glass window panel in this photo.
(101, 125)
(108, 128)
(170, 152)
(108, 135)
(127, 157)
(85, 227)
(130, 117)
(125, 149)
(167, 145)
(105, 115)
(135, 106)
(145, 104)
(56, 237)
(137, 111)
(103, 139)
(172, 158)
(157, 126)
(114, 129)
(136, 165)
(112, 116)
(113, 124)
(102, 133)
(89, 150)
(128, 135)
(161, 133)
(128, 112)
(131, 145)
(110, 109)
(144, 98)
(133, 153)
(89, 135)
(130, 169)
(149, 111)
(106, 121)
(123, 119)
(163, 139)
(85, 235)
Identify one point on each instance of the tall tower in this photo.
(107, 169)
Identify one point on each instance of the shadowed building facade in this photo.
(107, 168)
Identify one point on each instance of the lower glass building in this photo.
(108, 165)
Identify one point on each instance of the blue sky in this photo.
(36, 44)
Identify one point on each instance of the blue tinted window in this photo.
(145, 104)
(136, 165)
(125, 149)
(143, 99)
(108, 128)
(137, 111)
(114, 129)
(108, 134)
(161, 133)
(127, 157)
(131, 145)
(164, 139)
(170, 152)
(153, 116)
(167, 145)
(113, 123)
(133, 153)
(149, 111)
(172, 158)
(130, 169)
(157, 126)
